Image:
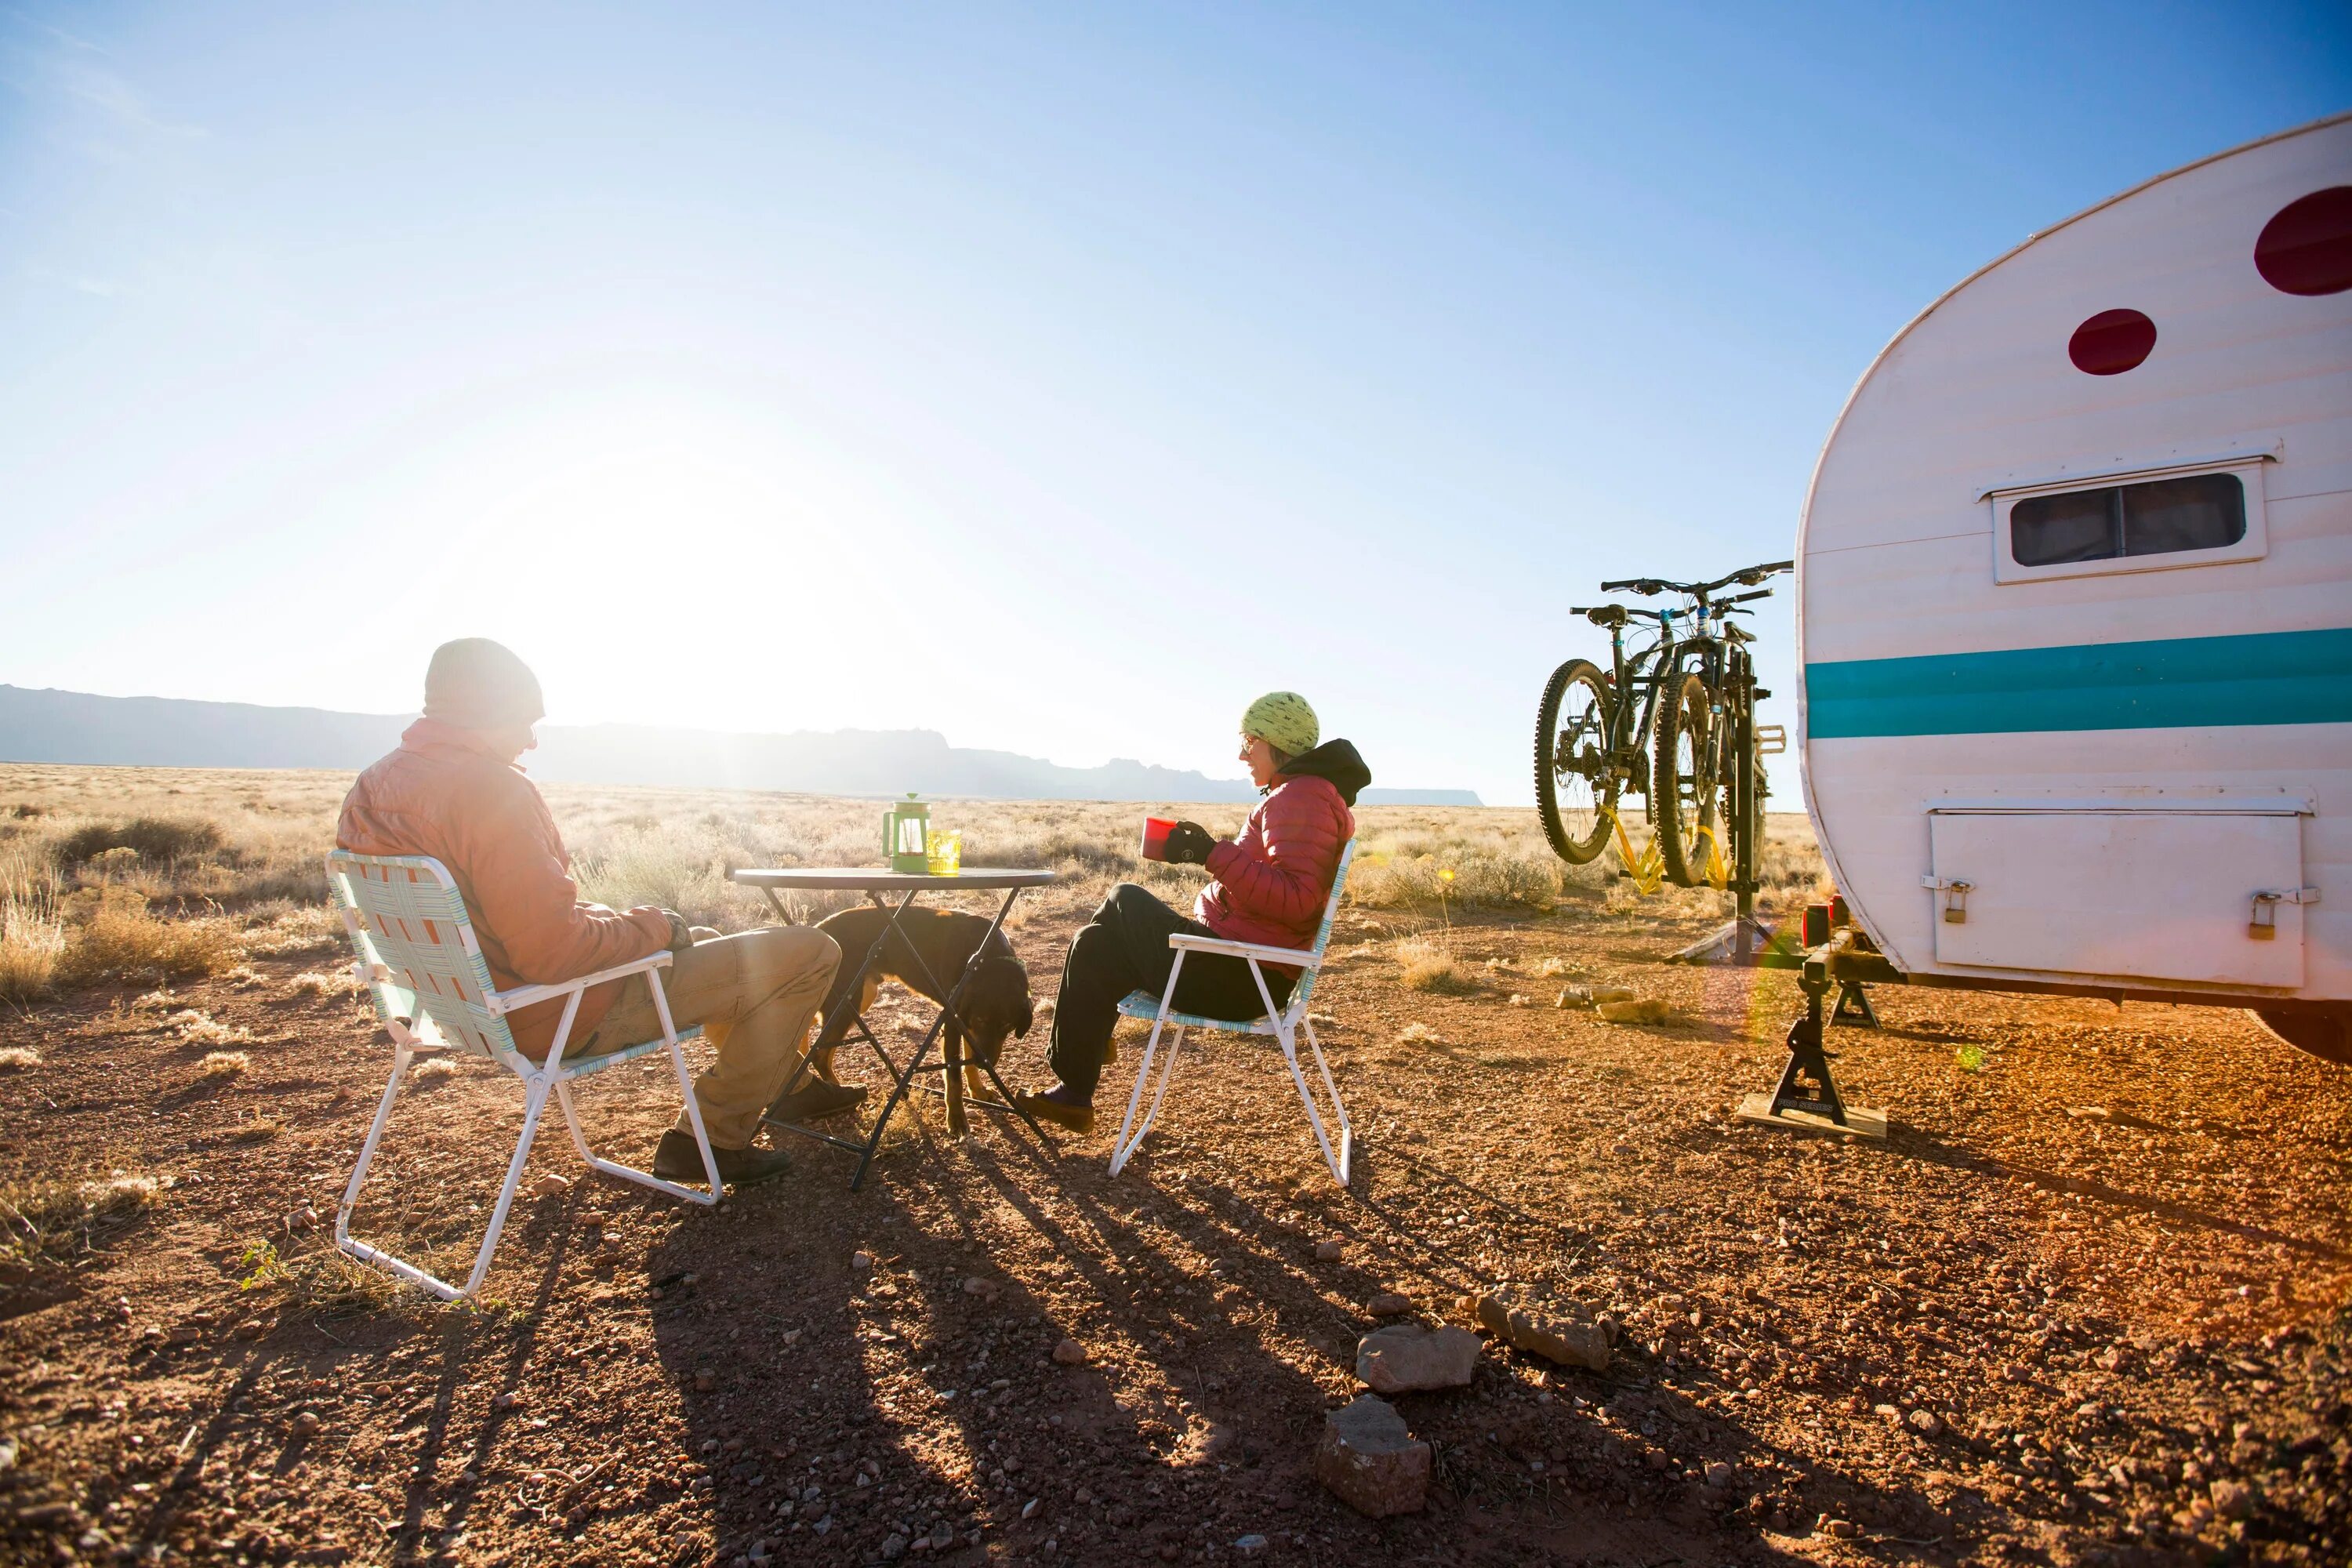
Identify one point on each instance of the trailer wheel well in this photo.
(2327, 1035)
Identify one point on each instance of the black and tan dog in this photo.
(995, 1005)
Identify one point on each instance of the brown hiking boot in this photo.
(1063, 1106)
(675, 1159)
(815, 1099)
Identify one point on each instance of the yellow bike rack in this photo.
(1718, 870)
(1647, 869)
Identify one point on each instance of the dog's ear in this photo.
(1026, 1017)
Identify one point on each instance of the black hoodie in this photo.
(1333, 760)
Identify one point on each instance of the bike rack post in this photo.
(1748, 935)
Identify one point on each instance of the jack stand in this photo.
(1807, 1098)
(1854, 1009)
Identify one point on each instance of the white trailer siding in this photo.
(1930, 686)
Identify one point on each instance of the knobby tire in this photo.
(1577, 847)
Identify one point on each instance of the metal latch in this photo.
(2261, 922)
(1771, 739)
(1956, 906)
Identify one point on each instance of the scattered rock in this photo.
(1069, 1352)
(1573, 996)
(2232, 1499)
(986, 1289)
(1389, 1304)
(861, 1261)
(894, 1548)
(1639, 1010)
(1925, 1423)
(1718, 1476)
(185, 1334)
(1250, 1546)
(1602, 994)
(305, 1422)
(253, 1328)
(1370, 1461)
(549, 1185)
(1327, 1251)
(1890, 1414)
(1405, 1356)
(507, 1400)
(1564, 1341)
(705, 1380)
(1839, 1529)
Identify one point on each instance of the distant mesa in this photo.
(75, 727)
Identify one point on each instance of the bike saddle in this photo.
(1606, 614)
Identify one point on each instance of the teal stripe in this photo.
(2271, 677)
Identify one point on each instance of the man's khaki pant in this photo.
(754, 993)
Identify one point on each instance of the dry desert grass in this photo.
(144, 875)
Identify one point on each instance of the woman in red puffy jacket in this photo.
(1269, 886)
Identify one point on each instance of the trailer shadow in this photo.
(1913, 1143)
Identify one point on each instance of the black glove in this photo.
(1189, 844)
(681, 936)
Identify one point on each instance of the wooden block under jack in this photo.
(1861, 1120)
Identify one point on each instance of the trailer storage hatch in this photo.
(2209, 892)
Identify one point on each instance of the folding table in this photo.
(875, 883)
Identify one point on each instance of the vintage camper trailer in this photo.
(2075, 606)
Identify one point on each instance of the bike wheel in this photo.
(1685, 784)
(1575, 786)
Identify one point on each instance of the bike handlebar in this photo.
(1748, 577)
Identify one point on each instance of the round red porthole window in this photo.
(2306, 248)
(2111, 342)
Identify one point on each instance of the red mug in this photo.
(1156, 830)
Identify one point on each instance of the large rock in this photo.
(1561, 1340)
(1371, 1462)
(1405, 1357)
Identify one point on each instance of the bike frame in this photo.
(1638, 680)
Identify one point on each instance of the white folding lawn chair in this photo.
(1285, 1023)
(420, 960)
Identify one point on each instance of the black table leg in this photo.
(835, 1032)
(954, 1085)
(902, 1079)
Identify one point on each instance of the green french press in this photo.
(906, 829)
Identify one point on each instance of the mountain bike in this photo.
(1665, 721)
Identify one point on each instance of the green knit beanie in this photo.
(1284, 720)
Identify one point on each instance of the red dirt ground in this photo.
(2097, 1285)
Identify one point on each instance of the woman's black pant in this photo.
(1125, 949)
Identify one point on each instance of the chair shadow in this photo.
(1276, 1406)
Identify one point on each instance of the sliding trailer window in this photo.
(2130, 522)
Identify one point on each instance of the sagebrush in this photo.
(147, 874)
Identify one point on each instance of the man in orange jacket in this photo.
(456, 791)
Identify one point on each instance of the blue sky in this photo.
(1054, 377)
